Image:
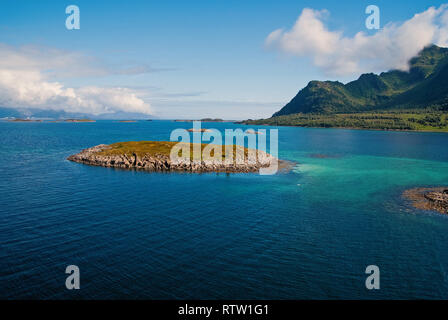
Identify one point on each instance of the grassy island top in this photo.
(152, 148)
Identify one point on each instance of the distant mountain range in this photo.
(51, 114)
(330, 103)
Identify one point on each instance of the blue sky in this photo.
(197, 58)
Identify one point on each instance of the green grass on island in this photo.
(414, 120)
(153, 148)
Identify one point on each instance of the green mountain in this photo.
(424, 86)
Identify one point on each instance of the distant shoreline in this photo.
(424, 120)
(49, 120)
(346, 128)
(244, 122)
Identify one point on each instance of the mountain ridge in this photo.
(424, 85)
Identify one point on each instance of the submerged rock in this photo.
(323, 156)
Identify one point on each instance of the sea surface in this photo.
(306, 234)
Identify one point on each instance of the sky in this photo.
(196, 59)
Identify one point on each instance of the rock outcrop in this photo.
(98, 156)
(435, 199)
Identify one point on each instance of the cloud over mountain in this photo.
(389, 48)
(30, 77)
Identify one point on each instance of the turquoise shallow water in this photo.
(305, 234)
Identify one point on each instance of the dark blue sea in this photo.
(307, 233)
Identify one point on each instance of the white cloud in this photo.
(389, 48)
(27, 80)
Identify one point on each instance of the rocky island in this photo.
(435, 199)
(25, 120)
(79, 120)
(199, 130)
(155, 156)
